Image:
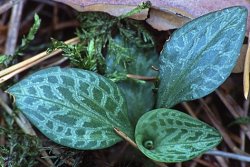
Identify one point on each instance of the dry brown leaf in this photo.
(165, 14)
(239, 67)
(163, 20)
(118, 10)
(112, 7)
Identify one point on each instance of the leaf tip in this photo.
(246, 94)
(11, 95)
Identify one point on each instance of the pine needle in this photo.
(246, 72)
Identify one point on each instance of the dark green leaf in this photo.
(168, 135)
(140, 98)
(128, 58)
(200, 56)
(73, 107)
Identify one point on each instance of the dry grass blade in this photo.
(17, 68)
(203, 163)
(246, 72)
(221, 129)
(189, 109)
(234, 109)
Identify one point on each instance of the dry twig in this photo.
(229, 155)
(14, 28)
(24, 65)
(7, 5)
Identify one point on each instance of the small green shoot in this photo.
(7, 60)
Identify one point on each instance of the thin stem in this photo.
(229, 155)
(132, 143)
(125, 137)
(139, 77)
(138, 9)
(155, 68)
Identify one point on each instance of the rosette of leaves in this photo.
(79, 108)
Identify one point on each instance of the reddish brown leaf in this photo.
(164, 20)
(113, 7)
(165, 15)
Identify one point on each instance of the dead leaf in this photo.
(159, 20)
(112, 7)
(163, 20)
(196, 8)
(239, 67)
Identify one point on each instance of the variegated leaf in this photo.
(73, 107)
(167, 135)
(200, 56)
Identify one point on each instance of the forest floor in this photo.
(24, 145)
